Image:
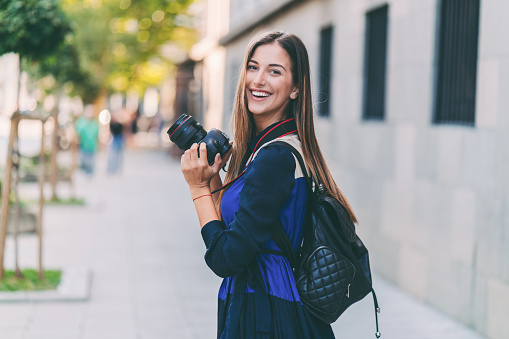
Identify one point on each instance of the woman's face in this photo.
(269, 84)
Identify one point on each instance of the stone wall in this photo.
(432, 200)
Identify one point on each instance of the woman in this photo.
(258, 297)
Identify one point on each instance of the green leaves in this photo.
(123, 42)
(115, 45)
(64, 67)
(31, 28)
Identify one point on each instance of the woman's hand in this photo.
(227, 155)
(197, 171)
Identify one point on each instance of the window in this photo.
(456, 72)
(325, 74)
(375, 56)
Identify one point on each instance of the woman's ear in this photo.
(294, 94)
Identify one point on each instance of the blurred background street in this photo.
(139, 235)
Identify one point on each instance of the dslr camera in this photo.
(186, 131)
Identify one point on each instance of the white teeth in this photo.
(260, 94)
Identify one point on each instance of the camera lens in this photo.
(187, 131)
(177, 123)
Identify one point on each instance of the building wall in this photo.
(210, 55)
(432, 200)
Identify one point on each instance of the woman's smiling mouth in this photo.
(260, 94)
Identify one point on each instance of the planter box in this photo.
(27, 221)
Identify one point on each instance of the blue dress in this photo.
(258, 297)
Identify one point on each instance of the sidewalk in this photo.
(140, 237)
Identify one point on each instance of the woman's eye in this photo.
(252, 67)
(275, 71)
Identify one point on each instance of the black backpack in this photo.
(332, 269)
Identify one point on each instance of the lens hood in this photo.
(186, 131)
(177, 123)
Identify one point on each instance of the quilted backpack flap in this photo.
(332, 208)
(329, 228)
(337, 230)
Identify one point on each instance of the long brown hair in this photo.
(301, 108)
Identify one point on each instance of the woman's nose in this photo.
(259, 80)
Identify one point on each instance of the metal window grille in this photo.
(325, 74)
(456, 76)
(375, 57)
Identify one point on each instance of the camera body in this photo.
(186, 131)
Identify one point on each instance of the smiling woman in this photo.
(269, 84)
(258, 297)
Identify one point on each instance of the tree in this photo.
(128, 45)
(33, 29)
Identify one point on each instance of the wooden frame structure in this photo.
(6, 189)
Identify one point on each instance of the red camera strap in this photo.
(254, 151)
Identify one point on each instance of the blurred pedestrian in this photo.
(87, 130)
(258, 297)
(116, 147)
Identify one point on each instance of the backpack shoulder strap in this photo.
(299, 159)
(279, 236)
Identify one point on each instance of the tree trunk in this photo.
(7, 181)
(41, 201)
(16, 164)
(6, 192)
(16, 207)
(54, 152)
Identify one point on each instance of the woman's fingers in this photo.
(197, 170)
(198, 154)
(185, 160)
(217, 163)
(224, 158)
(193, 151)
(194, 161)
(229, 153)
(203, 154)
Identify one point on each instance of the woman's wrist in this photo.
(199, 191)
(202, 196)
(216, 182)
